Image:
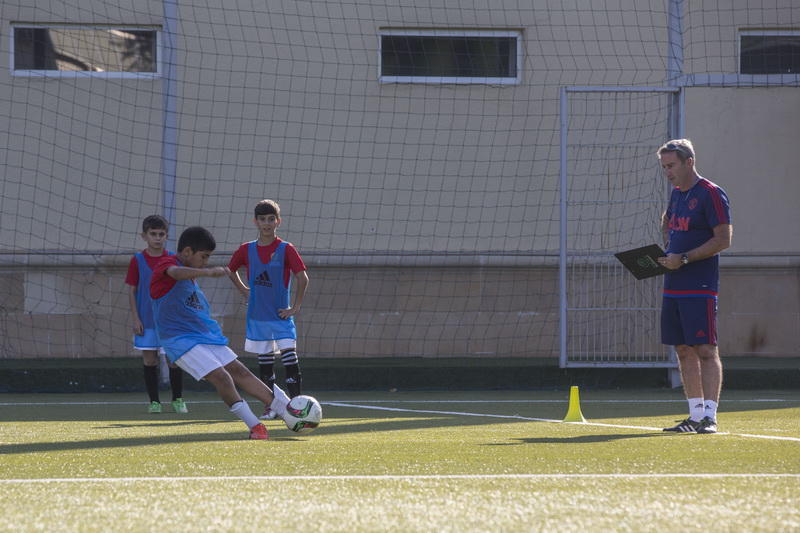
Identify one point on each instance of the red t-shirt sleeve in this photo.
(132, 277)
(293, 259)
(239, 258)
(292, 263)
(161, 282)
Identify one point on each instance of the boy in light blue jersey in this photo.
(193, 340)
(272, 266)
(154, 232)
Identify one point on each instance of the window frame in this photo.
(35, 73)
(763, 33)
(441, 80)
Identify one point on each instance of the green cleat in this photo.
(154, 408)
(179, 406)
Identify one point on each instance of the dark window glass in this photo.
(770, 54)
(90, 50)
(452, 57)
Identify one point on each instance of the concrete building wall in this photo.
(393, 312)
(747, 141)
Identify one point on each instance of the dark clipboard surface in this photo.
(643, 262)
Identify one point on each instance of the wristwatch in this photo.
(685, 259)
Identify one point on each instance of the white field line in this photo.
(460, 413)
(533, 419)
(565, 400)
(401, 477)
(520, 401)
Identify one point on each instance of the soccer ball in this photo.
(303, 414)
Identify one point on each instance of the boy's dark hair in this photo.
(198, 239)
(154, 222)
(268, 207)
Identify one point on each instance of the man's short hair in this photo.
(268, 207)
(682, 147)
(154, 222)
(198, 239)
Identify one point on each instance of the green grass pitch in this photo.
(457, 461)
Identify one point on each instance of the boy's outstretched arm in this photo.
(182, 272)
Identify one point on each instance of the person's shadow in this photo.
(578, 439)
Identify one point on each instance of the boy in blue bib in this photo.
(154, 232)
(272, 265)
(193, 340)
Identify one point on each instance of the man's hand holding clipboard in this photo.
(643, 262)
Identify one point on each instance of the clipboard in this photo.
(643, 262)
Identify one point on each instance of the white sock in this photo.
(696, 409)
(280, 401)
(710, 409)
(243, 411)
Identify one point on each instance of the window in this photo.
(95, 51)
(439, 56)
(769, 52)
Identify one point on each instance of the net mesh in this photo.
(427, 212)
(614, 202)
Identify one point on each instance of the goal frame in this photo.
(675, 128)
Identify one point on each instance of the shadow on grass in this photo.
(120, 425)
(124, 442)
(277, 433)
(579, 439)
(404, 424)
(131, 442)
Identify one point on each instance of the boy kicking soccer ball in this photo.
(193, 340)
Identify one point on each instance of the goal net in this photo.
(414, 149)
(613, 199)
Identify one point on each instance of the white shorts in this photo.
(203, 359)
(158, 349)
(260, 347)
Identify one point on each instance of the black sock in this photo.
(151, 382)
(176, 382)
(291, 364)
(266, 369)
(294, 380)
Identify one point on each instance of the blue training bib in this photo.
(183, 320)
(144, 305)
(268, 294)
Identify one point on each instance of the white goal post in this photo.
(612, 194)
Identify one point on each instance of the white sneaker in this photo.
(268, 414)
(280, 401)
